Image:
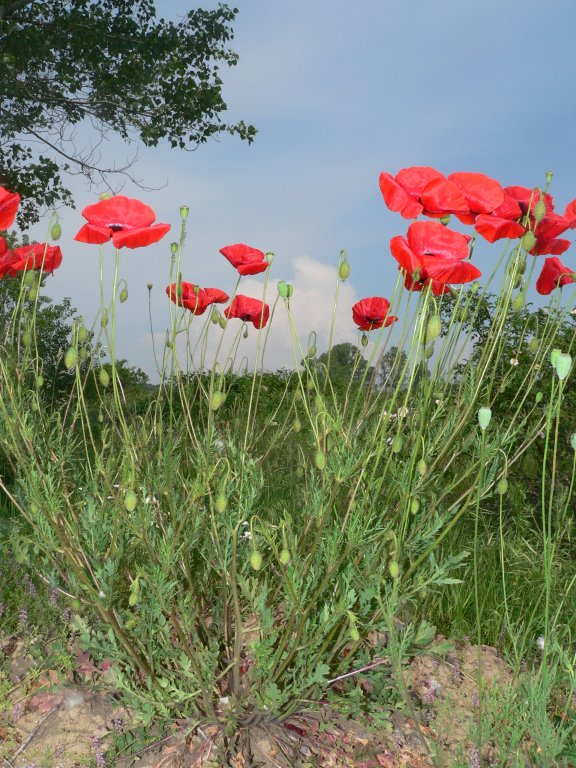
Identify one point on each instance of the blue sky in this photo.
(340, 92)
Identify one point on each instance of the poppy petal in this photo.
(442, 196)
(397, 199)
(91, 233)
(137, 238)
(483, 194)
(494, 228)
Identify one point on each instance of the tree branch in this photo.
(7, 9)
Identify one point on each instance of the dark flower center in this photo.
(116, 227)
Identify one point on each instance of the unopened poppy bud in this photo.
(445, 220)
(123, 295)
(217, 400)
(71, 358)
(215, 317)
(33, 294)
(554, 356)
(518, 302)
(539, 397)
(103, 377)
(39, 380)
(130, 500)
(344, 270)
(310, 385)
(433, 328)
(255, 560)
(539, 211)
(518, 282)
(290, 290)
(27, 340)
(284, 556)
(299, 473)
(269, 257)
(415, 506)
(533, 345)
(184, 211)
(318, 402)
(56, 231)
(573, 441)
(353, 632)
(364, 340)
(484, 417)
(502, 486)
(245, 334)
(461, 315)
(29, 278)
(320, 460)
(429, 352)
(563, 365)
(297, 425)
(394, 569)
(82, 334)
(221, 503)
(222, 322)
(150, 286)
(421, 467)
(100, 417)
(475, 286)
(528, 240)
(396, 444)
(521, 264)
(312, 350)
(83, 354)
(453, 292)
(174, 248)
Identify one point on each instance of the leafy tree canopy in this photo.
(70, 66)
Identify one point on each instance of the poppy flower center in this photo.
(373, 319)
(116, 227)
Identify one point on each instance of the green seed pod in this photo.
(283, 289)
(82, 334)
(27, 340)
(173, 248)
(484, 417)
(71, 358)
(415, 506)
(461, 315)
(56, 231)
(528, 240)
(284, 556)
(33, 294)
(269, 257)
(394, 569)
(421, 467)
(290, 290)
(344, 270)
(217, 400)
(103, 377)
(539, 397)
(222, 322)
(130, 501)
(518, 302)
(554, 356)
(396, 445)
(475, 287)
(445, 220)
(353, 632)
(563, 365)
(221, 503)
(150, 286)
(39, 380)
(29, 278)
(297, 425)
(433, 328)
(184, 211)
(255, 560)
(502, 486)
(539, 211)
(364, 340)
(123, 295)
(320, 460)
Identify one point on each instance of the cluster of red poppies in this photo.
(433, 254)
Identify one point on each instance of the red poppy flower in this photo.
(482, 194)
(434, 252)
(196, 299)
(247, 260)
(402, 193)
(249, 310)
(548, 230)
(437, 288)
(125, 221)
(9, 202)
(554, 275)
(34, 256)
(372, 313)
(502, 222)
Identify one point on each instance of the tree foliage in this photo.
(70, 66)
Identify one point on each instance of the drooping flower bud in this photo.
(394, 569)
(221, 503)
(284, 556)
(320, 460)
(344, 269)
(502, 486)
(415, 506)
(123, 295)
(422, 468)
(312, 350)
(539, 211)
(433, 328)
(445, 220)
(29, 278)
(528, 240)
(353, 632)
(533, 345)
(573, 441)
(71, 358)
(554, 356)
(297, 425)
(104, 318)
(396, 445)
(39, 380)
(83, 354)
(217, 400)
(82, 334)
(130, 500)
(215, 317)
(429, 352)
(103, 377)
(27, 341)
(255, 560)
(364, 340)
(33, 293)
(484, 417)
(518, 302)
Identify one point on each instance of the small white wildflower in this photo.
(514, 361)
(540, 642)
(115, 485)
(247, 535)
(219, 443)
(543, 434)
(437, 401)
(403, 412)
(224, 700)
(101, 594)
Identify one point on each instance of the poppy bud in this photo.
(518, 302)
(484, 417)
(539, 211)
(462, 315)
(71, 358)
(283, 289)
(299, 473)
(310, 385)
(215, 317)
(353, 632)
(39, 381)
(475, 286)
(56, 231)
(521, 264)
(82, 334)
(573, 441)
(29, 278)
(364, 340)
(217, 400)
(33, 294)
(27, 341)
(344, 270)
(284, 556)
(318, 402)
(445, 220)
(297, 425)
(320, 460)
(421, 467)
(130, 501)
(554, 356)
(255, 560)
(103, 377)
(394, 569)
(83, 354)
(415, 506)
(528, 240)
(563, 365)
(174, 248)
(184, 211)
(269, 257)
(429, 352)
(312, 350)
(517, 281)
(533, 345)
(222, 322)
(245, 334)
(123, 295)
(502, 486)
(221, 503)
(150, 286)
(433, 328)
(396, 445)
(100, 417)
